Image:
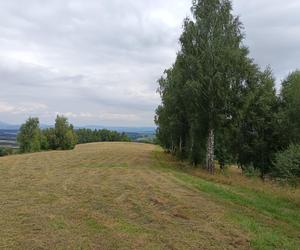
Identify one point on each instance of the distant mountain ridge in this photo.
(123, 129)
(145, 130)
(8, 126)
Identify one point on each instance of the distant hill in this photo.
(8, 126)
(134, 133)
(8, 137)
(8, 132)
(143, 130)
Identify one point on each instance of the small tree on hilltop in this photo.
(29, 136)
(64, 134)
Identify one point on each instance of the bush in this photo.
(287, 164)
(5, 151)
(251, 171)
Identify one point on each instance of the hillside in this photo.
(133, 196)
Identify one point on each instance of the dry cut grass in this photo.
(268, 212)
(107, 196)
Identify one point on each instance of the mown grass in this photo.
(264, 235)
(272, 220)
(106, 165)
(57, 224)
(105, 196)
(254, 213)
(95, 226)
(134, 196)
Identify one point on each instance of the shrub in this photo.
(287, 164)
(5, 151)
(251, 171)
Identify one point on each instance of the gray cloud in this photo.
(97, 61)
(272, 33)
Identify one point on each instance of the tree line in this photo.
(103, 135)
(32, 138)
(62, 136)
(217, 104)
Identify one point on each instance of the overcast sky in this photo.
(97, 61)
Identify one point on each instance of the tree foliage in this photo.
(287, 164)
(88, 135)
(65, 137)
(29, 137)
(62, 136)
(258, 138)
(199, 91)
(290, 109)
(217, 104)
(4, 151)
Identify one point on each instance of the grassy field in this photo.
(133, 196)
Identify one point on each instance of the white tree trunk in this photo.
(180, 145)
(210, 151)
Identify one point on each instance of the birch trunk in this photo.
(180, 145)
(210, 151)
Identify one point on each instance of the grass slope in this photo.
(133, 196)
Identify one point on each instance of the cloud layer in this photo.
(97, 61)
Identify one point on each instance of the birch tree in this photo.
(214, 38)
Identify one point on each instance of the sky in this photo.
(97, 61)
